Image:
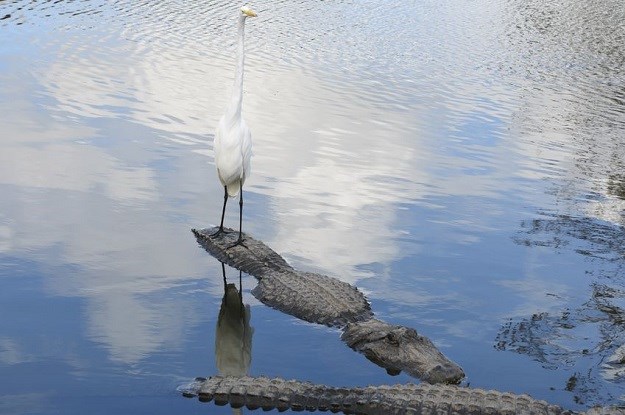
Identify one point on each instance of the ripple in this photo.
(435, 127)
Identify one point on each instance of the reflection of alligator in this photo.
(320, 299)
(421, 399)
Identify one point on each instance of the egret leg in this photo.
(240, 216)
(223, 273)
(240, 291)
(240, 240)
(223, 213)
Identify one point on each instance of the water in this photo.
(461, 163)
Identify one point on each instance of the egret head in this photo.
(247, 12)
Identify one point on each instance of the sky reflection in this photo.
(459, 176)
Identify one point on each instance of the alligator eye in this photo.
(392, 338)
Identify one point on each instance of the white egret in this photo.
(233, 140)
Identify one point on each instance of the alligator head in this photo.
(398, 348)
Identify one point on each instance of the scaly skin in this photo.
(424, 399)
(391, 346)
(321, 299)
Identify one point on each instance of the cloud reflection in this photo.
(79, 168)
(340, 150)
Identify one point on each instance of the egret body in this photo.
(233, 140)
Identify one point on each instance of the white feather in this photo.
(233, 140)
(233, 154)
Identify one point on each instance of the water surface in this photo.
(461, 163)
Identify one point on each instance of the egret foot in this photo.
(219, 232)
(237, 243)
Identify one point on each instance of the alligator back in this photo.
(424, 399)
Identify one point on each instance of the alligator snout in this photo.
(444, 373)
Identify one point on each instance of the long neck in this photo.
(237, 90)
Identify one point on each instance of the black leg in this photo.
(223, 273)
(240, 240)
(223, 213)
(240, 214)
(240, 291)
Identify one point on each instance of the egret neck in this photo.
(234, 112)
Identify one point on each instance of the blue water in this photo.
(462, 164)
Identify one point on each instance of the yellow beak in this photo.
(248, 12)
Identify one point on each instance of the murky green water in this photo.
(462, 163)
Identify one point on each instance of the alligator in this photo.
(317, 298)
(404, 399)
(320, 299)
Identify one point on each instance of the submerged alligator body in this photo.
(324, 300)
(405, 399)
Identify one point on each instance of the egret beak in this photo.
(248, 12)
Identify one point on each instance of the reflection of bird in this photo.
(233, 141)
(233, 337)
